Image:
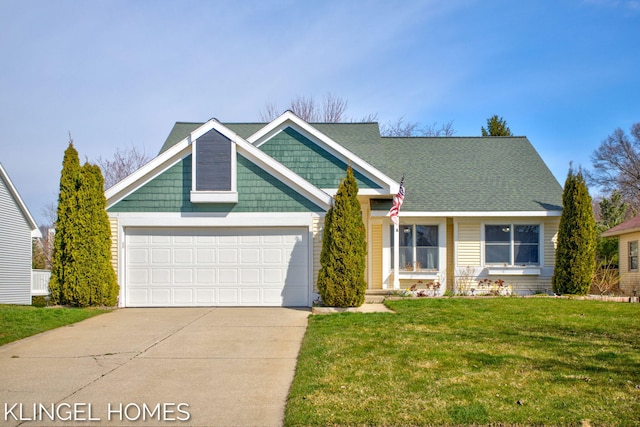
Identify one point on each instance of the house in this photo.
(232, 213)
(17, 228)
(628, 234)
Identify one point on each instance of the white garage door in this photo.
(216, 267)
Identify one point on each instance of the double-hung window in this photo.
(418, 246)
(633, 255)
(512, 244)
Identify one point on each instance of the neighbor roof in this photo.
(442, 174)
(628, 226)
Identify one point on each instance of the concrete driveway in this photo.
(156, 366)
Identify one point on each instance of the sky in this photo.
(116, 74)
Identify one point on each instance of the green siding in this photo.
(258, 191)
(310, 161)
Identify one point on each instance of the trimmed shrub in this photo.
(576, 253)
(344, 249)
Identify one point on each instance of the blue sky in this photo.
(114, 73)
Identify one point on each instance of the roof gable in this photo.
(172, 153)
(13, 193)
(257, 192)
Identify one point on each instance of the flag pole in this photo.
(396, 240)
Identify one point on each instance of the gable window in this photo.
(213, 169)
(512, 244)
(418, 246)
(633, 256)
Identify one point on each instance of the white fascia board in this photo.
(474, 214)
(147, 172)
(287, 119)
(35, 231)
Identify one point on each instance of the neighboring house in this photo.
(17, 228)
(232, 214)
(628, 234)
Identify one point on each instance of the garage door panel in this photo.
(160, 296)
(183, 296)
(250, 256)
(227, 256)
(216, 266)
(182, 275)
(160, 255)
(160, 276)
(206, 276)
(228, 276)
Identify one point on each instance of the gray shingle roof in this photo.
(442, 174)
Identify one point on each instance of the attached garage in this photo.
(216, 266)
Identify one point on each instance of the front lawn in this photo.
(17, 321)
(457, 361)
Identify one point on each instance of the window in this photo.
(510, 244)
(418, 246)
(633, 255)
(213, 169)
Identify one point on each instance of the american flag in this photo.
(397, 202)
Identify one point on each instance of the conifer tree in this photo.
(64, 278)
(576, 252)
(97, 272)
(344, 249)
(81, 273)
(496, 126)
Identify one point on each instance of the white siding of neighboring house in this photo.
(15, 251)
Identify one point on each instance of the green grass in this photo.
(17, 322)
(455, 361)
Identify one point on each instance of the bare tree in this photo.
(305, 108)
(269, 113)
(435, 129)
(124, 163)
(616, 165)
(333, 109)
(399, 128)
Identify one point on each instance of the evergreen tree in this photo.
(96, 269)
(496, 127)
(613, 211)
(344, 249)
(576, 252)
(81, 273)
(64, 278)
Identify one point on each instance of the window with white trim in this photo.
(633, 256)
(512, 244)
(418, 246)
(214, 166)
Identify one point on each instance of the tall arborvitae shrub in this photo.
(81, 274)
(576, 251)
(344, 249)
(64, 276)
(96, 268)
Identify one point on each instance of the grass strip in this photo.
(17, 322)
